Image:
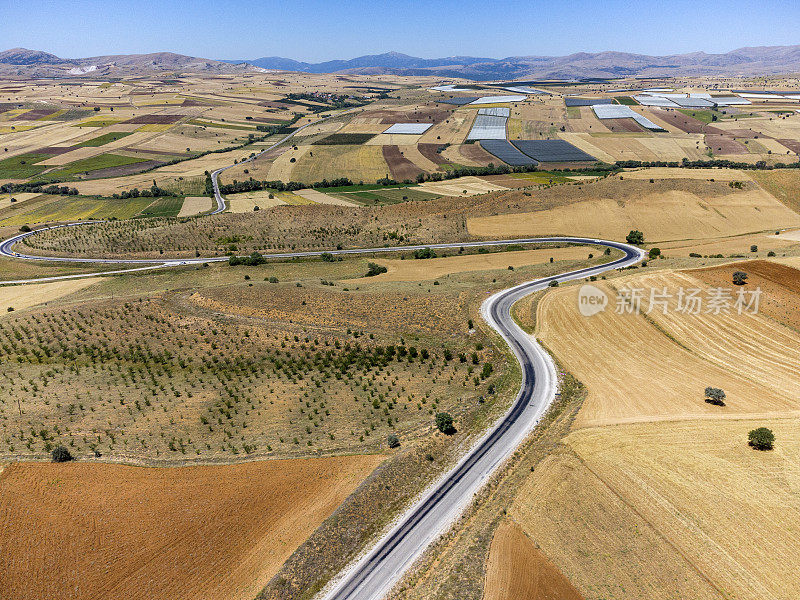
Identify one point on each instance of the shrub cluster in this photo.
(253, 260)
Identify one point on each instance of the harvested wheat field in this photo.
(749, 345)
(695, 512)
(322, 198)
(784, 184)
(671, 215)
(359, 163)
(791, 261)
(246, 202)
(517, 570)
(608, 350)
(584, 528)
(5, 199)
(24, 296)
(195, 205)
(83, 530)
(420, 270)
(670, 173)
(463, 186)
(727, 245)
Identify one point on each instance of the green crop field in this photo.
(388, 196)
(104, 139)
(164, 207)
(541, 177)
(22, 166)
(338, 139)
(104, 161)
(626, 100)
(55, 209)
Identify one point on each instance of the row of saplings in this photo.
(444, 423)
(760, 438)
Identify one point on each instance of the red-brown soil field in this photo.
(780, 286)
(429, 152)
(518, 570)
(399, 166)
(681, 121)
(723, 144)
(86, 530)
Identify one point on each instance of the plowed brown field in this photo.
(399, 166)
(779, 283)
(79, 530)
(517, 570)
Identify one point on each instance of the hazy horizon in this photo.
(316, 31)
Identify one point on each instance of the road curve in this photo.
(215, 174)
(373, 576)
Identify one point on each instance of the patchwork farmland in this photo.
(280, 413)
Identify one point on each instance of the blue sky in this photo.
(322, 30)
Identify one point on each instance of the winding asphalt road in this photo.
(371, 577)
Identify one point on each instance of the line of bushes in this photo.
(703, 164)
(37, 188)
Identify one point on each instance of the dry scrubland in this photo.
(199, 363)
(80, 531)
(654, 474)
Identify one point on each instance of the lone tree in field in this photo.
(445, 423)
(635, 237)
(393, 441)
(654, 253)
(61, 454)
(715, 396)
(761, 438)
(739, 278)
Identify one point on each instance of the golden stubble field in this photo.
(664, 215)
(656, 493)
(17, 297)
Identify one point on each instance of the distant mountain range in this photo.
(764, 60)
(35, 63)
(744, 61)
